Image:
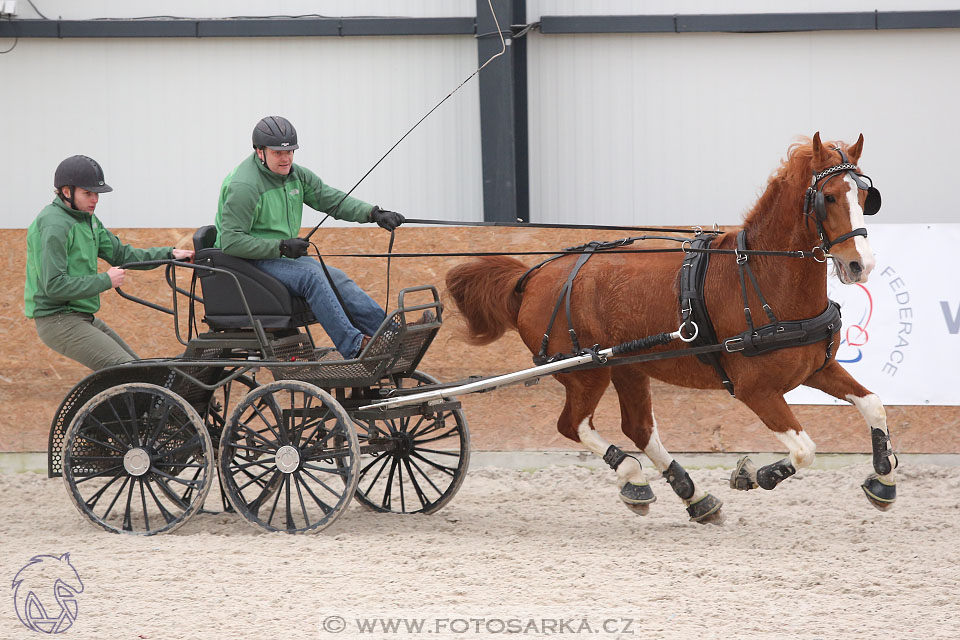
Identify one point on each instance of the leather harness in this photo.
(696, 317)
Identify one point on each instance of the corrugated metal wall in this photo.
(169, 118)
(686, 128)
(640, 128)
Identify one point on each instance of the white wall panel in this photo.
(169, 118)
(686, 128)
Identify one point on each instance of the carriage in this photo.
(137, 444)
(140, 444)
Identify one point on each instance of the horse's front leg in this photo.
(776, 414)
(881, 486)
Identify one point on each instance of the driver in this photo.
(62, 289)
(259, 216)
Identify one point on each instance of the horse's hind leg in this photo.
(584, 391)
(776, 414)
(880, 487)
(639, 424)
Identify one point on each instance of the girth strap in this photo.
(693, 307)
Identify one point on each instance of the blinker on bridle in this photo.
(814, 204)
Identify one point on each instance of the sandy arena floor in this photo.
(809, 560)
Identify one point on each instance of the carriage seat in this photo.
(269, 299)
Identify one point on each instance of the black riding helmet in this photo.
(275, 132)
(83, 172)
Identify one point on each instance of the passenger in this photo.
(62, 289)
(259, 216)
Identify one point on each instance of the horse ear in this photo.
(817, 150)
(855, 151)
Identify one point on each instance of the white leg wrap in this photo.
(873, 412)
(628, 471)
(801, 447)
(661, 459)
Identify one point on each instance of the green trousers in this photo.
(84, 338)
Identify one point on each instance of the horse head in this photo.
(838, 198)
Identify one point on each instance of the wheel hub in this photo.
(405, 444)
(136, 461)
(288, 459)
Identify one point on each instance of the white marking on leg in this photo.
(867, 260)
(661, 459)
(873, 412)
(801, 447)
(628, 471)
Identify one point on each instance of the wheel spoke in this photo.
(98, 423)
(320, 503)
(92, 500)
(169, 517)
(416, 485)
(114, 501)
(161, 422)
(143, 500)
(133, 440)
(303, 507)
(321, 483)
(276, 501)
(435, 465)
(99, 474)
(425, 476)
(170, 493)
(383, 459)
(102, 444)
(127, 524)
(388, 489)
(188, 483)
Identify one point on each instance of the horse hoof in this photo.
(706, 510)
(639, 509)
(744, 477)
(879, 493)
(637, 497)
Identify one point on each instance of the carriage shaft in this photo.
(489, 384)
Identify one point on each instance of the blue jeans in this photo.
(305, 277)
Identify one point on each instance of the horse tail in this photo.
(484, 291)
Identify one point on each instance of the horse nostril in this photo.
(855, 268)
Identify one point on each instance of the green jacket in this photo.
(258, 208)
(63, 245)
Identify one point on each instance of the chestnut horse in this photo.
(817, 198)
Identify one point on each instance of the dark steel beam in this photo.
(237, 28)
(503, 113)
(751, 22)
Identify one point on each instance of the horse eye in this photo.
(830, 199)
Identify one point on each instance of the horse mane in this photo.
(790, 179)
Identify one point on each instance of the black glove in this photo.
(294, 247)
(388, 220)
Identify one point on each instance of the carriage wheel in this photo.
(288, 458)
(425, 465)
(137, 459)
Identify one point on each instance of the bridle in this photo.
(814, 203)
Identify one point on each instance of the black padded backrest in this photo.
(269, 299)
(204, 237)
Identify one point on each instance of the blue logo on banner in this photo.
(45, 593)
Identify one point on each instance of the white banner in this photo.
(901, 330)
